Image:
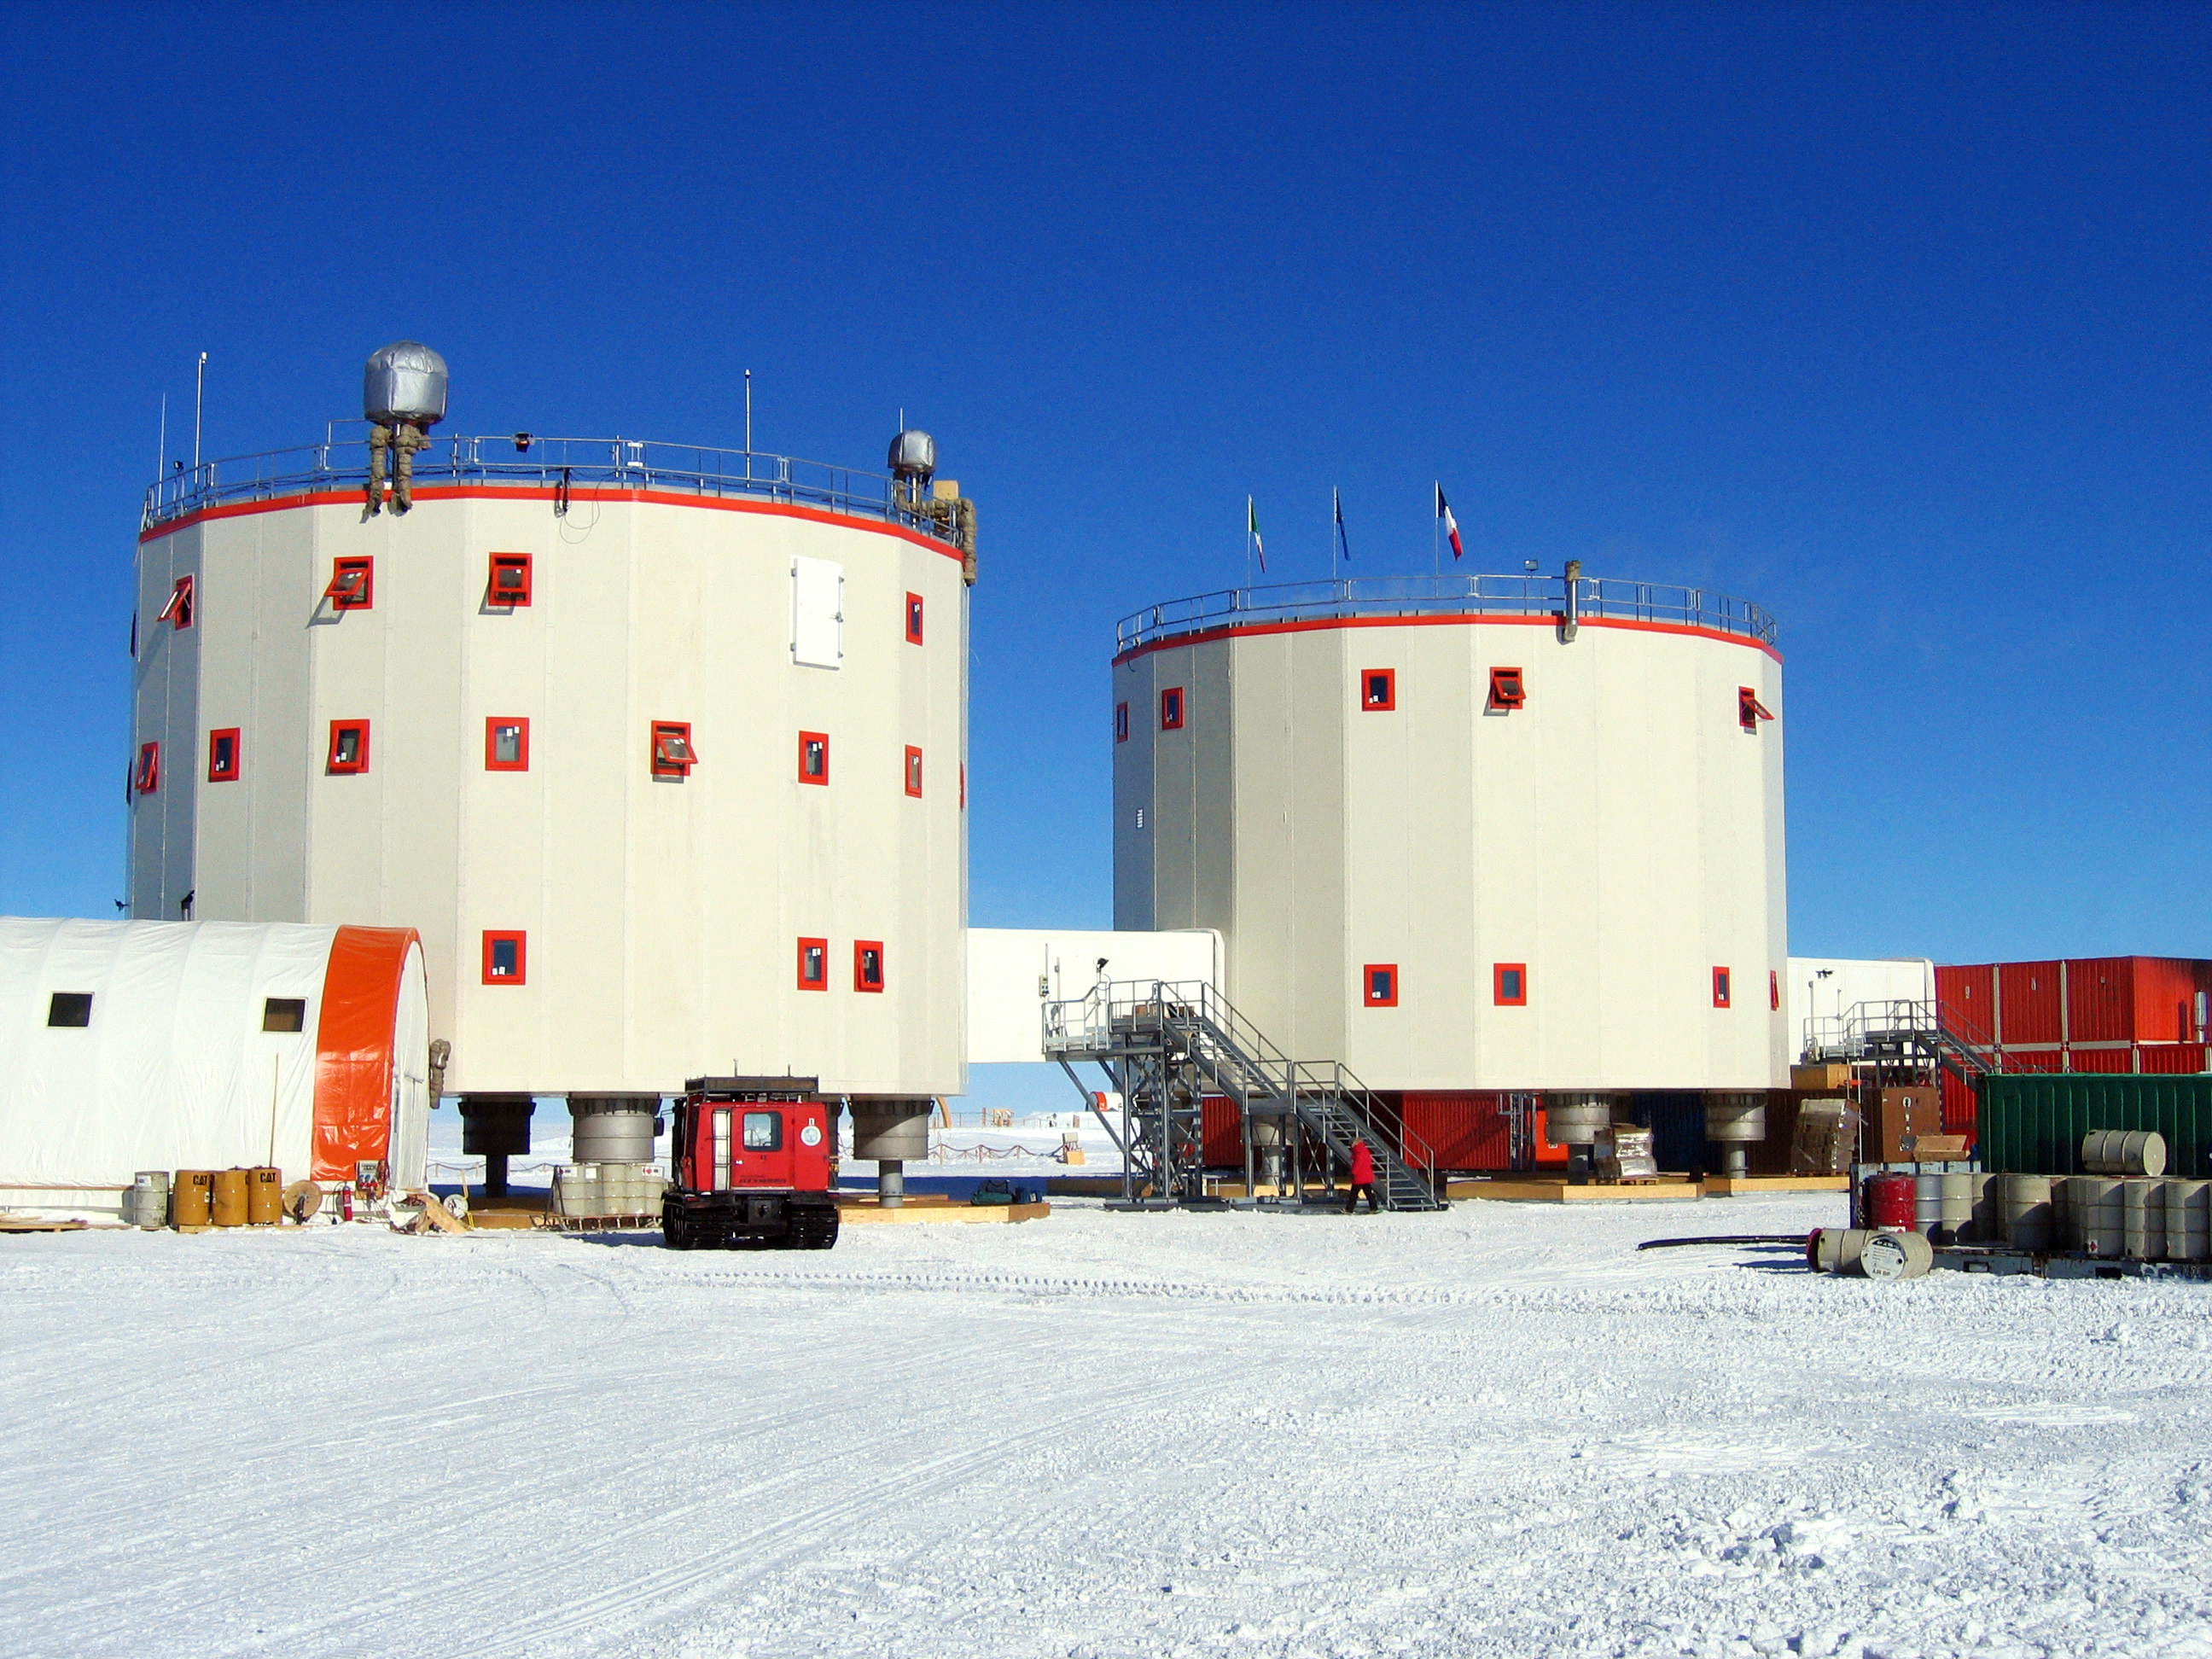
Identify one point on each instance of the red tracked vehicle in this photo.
(751, 1166)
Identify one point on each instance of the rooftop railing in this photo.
(339, 465)
(1583, 598)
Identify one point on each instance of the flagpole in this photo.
(1336, 511)
(1248, 510)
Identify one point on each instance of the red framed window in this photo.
(914, 771)
(814, 964)
(222, 755)
(507, 743)
(672, 752)
(914, 619)
(814, 757)
(148, 776)
(178, 609)
(1749, 711)
(506, 958)
(1121, 722)
(1508, 689)
(867, 965)
(1378, 690)
(348, 747)
(507, 585)
(1171, 709)
(1509, 984)
(1773, 991)
(1720, 987)
(1378, 982)
(353, 585)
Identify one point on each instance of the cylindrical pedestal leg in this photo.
(890, 1182)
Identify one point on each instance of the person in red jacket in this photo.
(1363, 1179)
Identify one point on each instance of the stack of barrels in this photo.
(221, 1197)
(2125, 1206)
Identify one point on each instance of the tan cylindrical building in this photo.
(1468, 833)
(661, 750)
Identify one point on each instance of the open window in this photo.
(178, 610)
(914, 771)
(673, 753)
(814, 964)
(1171, 710)
(285, 1014)
(1509, 984)
(509, 585)
(1378, 690)
(506, 958)
(867, 965)
(1379, 985)
(1749, 711)
(507, 743)
(1720, 987)
(348, 747)
(69, 1009)
(1508, 689)
(814, 757)
(353, 585)
(914, 619)
(1121, 722)
(148, 776)
(222, 755)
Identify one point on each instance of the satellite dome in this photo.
(405, 381)
(913, 455)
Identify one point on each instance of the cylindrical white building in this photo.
(662, 750)
(1468, 833)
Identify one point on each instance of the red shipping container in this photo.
(2166, 992)
(2169, 1059)
(1221, 1132)
(1959, 1108)
(1463, 1131)
(2029, 1007)
(1966, 1000)
(2100, 1060)
(2034, 1060)
(2101, 1003)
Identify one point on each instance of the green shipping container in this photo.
(2033, 1123)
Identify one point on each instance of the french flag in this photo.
(1451, 525)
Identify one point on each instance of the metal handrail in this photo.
(1584, 598)
(1084, 1022)
(337, 464)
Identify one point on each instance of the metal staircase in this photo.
(1167, 1044)
(1906, 1033)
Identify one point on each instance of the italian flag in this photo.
(1451, 525)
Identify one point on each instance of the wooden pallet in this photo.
(31, 1224)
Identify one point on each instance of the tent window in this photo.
(70, 1008)
(285, 1014)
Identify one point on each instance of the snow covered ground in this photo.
(1495, 1432)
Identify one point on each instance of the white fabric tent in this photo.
(175, 1069)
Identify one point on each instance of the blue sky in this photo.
(1892, 320)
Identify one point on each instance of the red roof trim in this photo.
(1208, 636)
(534, 493)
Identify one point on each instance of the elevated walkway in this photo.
(1165, 1045)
